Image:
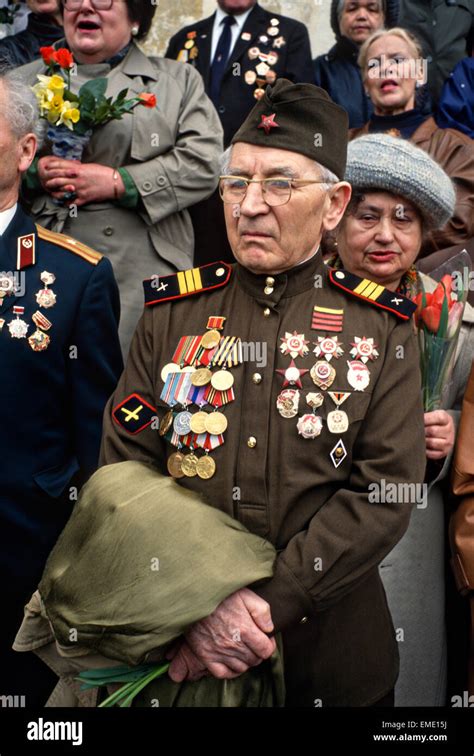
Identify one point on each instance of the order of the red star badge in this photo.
(268, 123)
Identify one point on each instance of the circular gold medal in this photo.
(201, 377)
(216, 423)
(189, 44)
(210, 339)
(206, 467)
(198, 422)
(189, 465)
(166, 423)
(174, 465)
(222, 380)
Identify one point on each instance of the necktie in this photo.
(220, 58)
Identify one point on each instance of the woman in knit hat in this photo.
(399, 194)
(394, 75)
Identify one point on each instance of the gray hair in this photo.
(327, 177)
(341, 3)
(20, 107)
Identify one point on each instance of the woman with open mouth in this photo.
(394, 74)
(129, 194)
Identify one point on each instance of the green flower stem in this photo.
(138, 686)
(127, 692)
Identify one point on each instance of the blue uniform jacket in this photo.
(291, 45)
(52, 401)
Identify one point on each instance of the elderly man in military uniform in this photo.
(60, 357)
(291, 448)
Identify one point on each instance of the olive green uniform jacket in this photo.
(326, 594)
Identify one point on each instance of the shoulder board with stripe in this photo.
(73, 245)
(186, 282)
(374, 293)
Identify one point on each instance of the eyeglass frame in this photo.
(248, 181)
(64, 4)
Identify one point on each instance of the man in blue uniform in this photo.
(238, 51)
(60, 360)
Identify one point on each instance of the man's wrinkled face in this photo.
(268, 239)
(360, 18)
(16, 155)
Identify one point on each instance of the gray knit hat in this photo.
(392, 164)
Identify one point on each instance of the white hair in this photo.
(327, 177)
(20, 107)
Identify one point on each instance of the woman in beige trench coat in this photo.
(170, 153)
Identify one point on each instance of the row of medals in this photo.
(323, 374)
(263, 74)
(176, 427)
(39, 340)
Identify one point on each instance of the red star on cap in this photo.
(268, 123)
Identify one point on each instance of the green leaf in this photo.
(443, 321)
(96, 88)
(68, 95)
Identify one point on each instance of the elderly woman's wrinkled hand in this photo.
(229, 641)
(440, 434)
(90, 182)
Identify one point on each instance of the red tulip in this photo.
(147, 99)
(48, 54)
(64, 58)
(431, 316)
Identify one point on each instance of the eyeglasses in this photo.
(276, 191)
(75, 5)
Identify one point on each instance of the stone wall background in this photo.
(172, 15)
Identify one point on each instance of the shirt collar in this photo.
(6, 217)
(282, 285)
(240, 19)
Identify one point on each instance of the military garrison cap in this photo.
(300, 118)
(186, 282)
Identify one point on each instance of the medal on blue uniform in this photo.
(46, 297)
(18, 328)
(39, 340)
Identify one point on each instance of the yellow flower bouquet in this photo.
(72, 117)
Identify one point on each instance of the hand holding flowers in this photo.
(438, 319)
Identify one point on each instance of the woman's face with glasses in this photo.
(96, 29)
